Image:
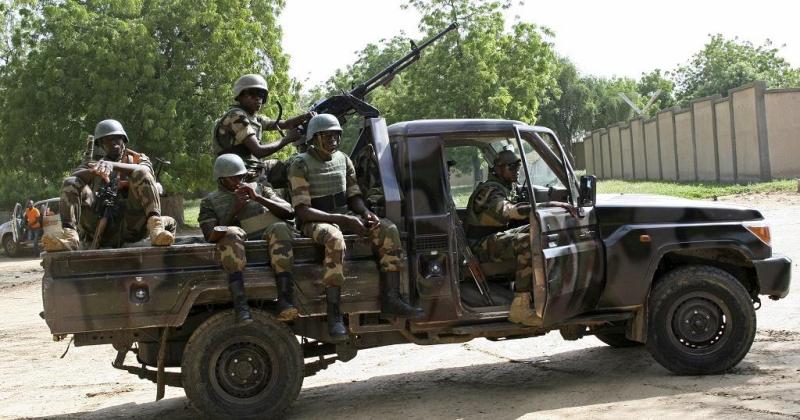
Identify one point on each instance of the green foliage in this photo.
(164, 68)
(725, 64)
(691, 190)
(652, 82)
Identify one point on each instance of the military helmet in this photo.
(228, 164)
(249, 81)
(506, 157)
(322, 122)
(107, 128)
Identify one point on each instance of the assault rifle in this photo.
(352, 102)
(105, 205)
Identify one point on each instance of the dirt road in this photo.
(542, 377)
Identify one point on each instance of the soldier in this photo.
(323, 189)
(239, 130)
(239, 211)
(490, 209)
(137, 211)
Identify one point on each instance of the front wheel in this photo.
(701, 321)
(250, 371)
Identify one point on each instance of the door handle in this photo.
(586, 234)
(552, 237)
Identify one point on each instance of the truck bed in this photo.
(115, 289)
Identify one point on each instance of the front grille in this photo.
(431, 242)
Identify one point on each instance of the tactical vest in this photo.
(253, 218)
(327, 182)
(475, 228)
(223, 140)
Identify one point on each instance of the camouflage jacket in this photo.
(300, 178)
(233, 128)
(491, 207)
(217, 207)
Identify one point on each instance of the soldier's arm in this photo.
(263, 150)
(269, 199)
(208, 220)
(501, 207)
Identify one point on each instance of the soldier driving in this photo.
(323, 189)
(239, 130)
(489, 211)
(239, 211)
(136, 209)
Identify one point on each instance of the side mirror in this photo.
(587, 195)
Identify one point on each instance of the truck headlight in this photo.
(761, 231)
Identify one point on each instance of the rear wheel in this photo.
(701, 321)
(10, 246)
(250, 371)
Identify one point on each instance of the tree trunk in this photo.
(172, 205)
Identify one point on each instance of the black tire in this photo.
(218, 348)
(701, 321)
(10, 247)
(616, 339)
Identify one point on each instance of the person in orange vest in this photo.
(33, 219)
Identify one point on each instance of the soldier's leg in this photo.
(74, 194)
(279, 237)
(386, 240)
(143, 190)
(332, 239)
(514, 244)
(233, 260)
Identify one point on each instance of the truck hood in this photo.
(622, 209)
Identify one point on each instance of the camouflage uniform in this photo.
(490, 209)
(233, 128)
(129, 223)
(216, 208)
(306, 180)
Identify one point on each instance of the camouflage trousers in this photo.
(509, 245)
(385, 240)
(279, 237)
(129, 224)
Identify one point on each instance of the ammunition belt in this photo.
(329, 203)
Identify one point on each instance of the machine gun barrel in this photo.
(392, 69)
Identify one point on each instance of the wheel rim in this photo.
(699, 323)
(11, 247)
(243, 369)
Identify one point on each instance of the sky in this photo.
(603, 38)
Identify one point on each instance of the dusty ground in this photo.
(542, 377)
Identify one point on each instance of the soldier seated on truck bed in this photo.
(490, 210)
(323, 189)
(238, 211)
(134, 204)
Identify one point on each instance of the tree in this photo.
(653, 82)
(163, 68)
(566, 109)
(725, 64)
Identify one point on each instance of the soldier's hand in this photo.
(298, 120)
(102, 169)
(355, 225)
(372, 220)
(241, 199)
(246, 190)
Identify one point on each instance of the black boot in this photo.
(286, 311)
(392, 304)
(236, 286)
(336, 328)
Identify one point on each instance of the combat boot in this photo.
(158, 235)
(336, 328)
(392, 304)
(240, 308)
(286, 311)
(521, 311)
(65, 240)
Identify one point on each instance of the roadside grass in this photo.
(692, 190)
(191, 209)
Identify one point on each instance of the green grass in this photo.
(692, 190)
(191, 209)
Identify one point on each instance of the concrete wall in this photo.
(666, 137)
(705, 138)
(684, 141)
(651, 149)
(580, 156)
(637, 144)
(627, 152)
(783, 131)
(588, 151)
(616, 151)
(752, 135)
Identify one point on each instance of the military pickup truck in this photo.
(681, 277)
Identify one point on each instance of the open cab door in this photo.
(566, 249)
(16, 223)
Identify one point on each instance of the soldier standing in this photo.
(489, 211)
(239, 211)
(137, 207)
(239, 130)
(323, 189)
